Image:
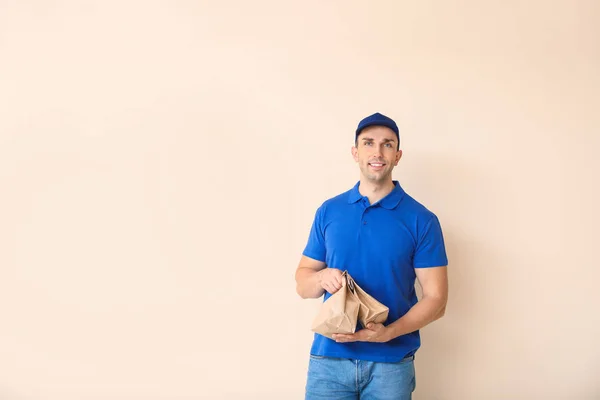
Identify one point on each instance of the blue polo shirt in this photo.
(380, 245)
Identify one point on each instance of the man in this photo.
(385, 239)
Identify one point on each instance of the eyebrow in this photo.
(368, 139)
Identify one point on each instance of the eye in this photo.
(388, 145)
(368, 143)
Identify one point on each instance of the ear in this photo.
(354, 151)
(398, 156)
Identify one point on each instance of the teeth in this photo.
(376, 165)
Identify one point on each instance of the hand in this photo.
(330, 279)
(372, 333)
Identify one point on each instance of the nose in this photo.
(377, 151)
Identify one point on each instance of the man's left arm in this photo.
(434, 282)
(432, 306)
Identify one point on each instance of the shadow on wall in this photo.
(452, 345)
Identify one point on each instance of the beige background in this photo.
(161, 162)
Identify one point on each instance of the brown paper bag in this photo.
(341, 311)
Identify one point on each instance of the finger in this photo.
(341, 338)
(364, 335)
(331, 289)
(331, 281)
(334, 274)
(338, 277)
(358, 336)
(334, 288)
(374, 327)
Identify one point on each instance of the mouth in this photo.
(376, 166)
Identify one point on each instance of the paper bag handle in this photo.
(350, 283)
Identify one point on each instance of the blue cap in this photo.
(378, 119)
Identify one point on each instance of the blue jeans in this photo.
(345, 379)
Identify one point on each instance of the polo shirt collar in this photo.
(389, 202)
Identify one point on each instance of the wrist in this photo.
(390, 333)
(387, 334)
(320, 279)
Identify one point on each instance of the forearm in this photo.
(308, 283)
(427, 310)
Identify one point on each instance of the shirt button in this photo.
(364, 222)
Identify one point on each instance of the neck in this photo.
(375, 191)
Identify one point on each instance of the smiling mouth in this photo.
(376, 165)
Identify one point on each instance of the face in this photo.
(376, 154)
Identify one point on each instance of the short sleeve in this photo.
(315, 247)
(431, 251)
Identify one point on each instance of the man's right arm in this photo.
(313, 278)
